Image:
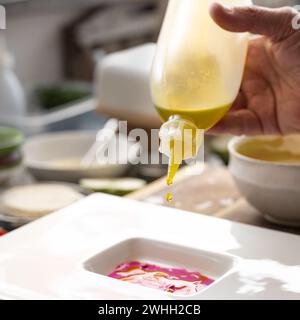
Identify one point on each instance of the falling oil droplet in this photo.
(169, 197)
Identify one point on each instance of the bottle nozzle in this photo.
(180, 139)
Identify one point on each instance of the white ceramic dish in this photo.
(40, 152)
(67, 254)
(272, 188)
(213, 265)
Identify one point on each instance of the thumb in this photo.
(274, 23)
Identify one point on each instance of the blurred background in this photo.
(57, 40)
(53, 48)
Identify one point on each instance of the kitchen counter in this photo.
(213, 193)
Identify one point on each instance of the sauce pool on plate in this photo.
(171, 280)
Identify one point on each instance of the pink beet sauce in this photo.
(172, 280)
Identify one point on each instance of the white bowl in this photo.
(272, 188)
(41, 151)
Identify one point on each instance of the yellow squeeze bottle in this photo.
(196, 75)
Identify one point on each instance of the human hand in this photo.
(269, 98)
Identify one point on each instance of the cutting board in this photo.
(212, 193)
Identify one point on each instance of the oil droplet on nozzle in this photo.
(169, 197)
(173, 168)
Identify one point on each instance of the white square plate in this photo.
(67, 255)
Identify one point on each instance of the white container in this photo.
(12, 97)
(122, 86)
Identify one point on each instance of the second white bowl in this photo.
(273, 188)
(42, 151)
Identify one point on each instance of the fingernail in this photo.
(227, 8)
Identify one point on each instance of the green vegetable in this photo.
(10, 140)
(118, 187)
(58, 95)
